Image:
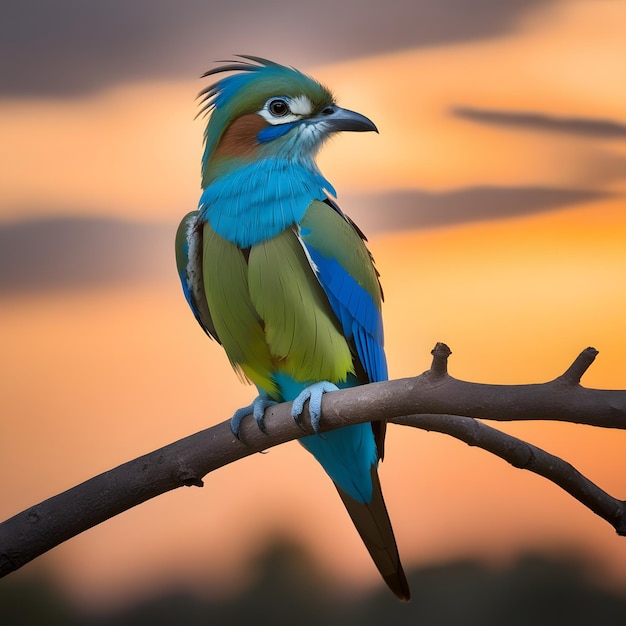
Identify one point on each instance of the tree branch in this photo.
(432, 401)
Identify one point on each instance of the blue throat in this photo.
(258, 201)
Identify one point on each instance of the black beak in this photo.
(334, 119)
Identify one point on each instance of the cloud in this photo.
(413, 209)
(588, 127)
(73, 47)
(80, 252)
(71, 253)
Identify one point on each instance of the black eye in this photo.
(278, 107)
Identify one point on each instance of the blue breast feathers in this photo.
(257, 201)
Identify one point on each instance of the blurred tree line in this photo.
(287, 589)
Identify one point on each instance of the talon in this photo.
(313, 393)
(237, 418)
(256, 409)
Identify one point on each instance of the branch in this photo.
(432, 401)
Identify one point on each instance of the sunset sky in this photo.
(494, 200)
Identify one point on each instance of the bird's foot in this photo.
(313, 393)
(256, 409)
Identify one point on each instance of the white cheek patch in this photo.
(301, 106)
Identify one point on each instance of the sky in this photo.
(494, 204)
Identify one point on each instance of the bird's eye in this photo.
(278, 107)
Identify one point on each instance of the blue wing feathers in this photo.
(357, 312)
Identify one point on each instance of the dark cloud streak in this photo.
(72, 253)
(583, 126)
(405, 210)
(73, 47)
(67, 253)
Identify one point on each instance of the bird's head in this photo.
(267, 110)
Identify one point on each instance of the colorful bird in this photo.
(282, 279)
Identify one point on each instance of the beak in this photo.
(334, 119)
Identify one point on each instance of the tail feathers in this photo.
(373, 524)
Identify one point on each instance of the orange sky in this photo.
(90, 378)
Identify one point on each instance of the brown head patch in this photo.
(240, 138)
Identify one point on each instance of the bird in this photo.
(276, 273)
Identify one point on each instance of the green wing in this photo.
(237, 323)
(301, 329)
(326, 229)
(265, 305)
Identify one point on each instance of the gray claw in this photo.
(313, 393)
(256, 409)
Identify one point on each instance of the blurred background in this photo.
(494, 204)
